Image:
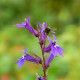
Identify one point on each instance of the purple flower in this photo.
(44, 26)
(53, 47)
(21, 61)
(40, 78)
(27, 57)
(43, 34)
(28, 26)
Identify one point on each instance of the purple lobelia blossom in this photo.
(43, 36)
(28, 26)
(27, 57)
(44, 26)
(40, 78)
(21, 61)
(43, 33)
(53, 47)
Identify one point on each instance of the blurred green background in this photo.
(62, 15)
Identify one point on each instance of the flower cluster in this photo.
(42, 36)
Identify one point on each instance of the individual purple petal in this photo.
(20, 25)
(40, 25)
(21, 62)
(62, 49)
(45, 24)
(53, 51)
(52, 31)
(59, 50)
(54, 38)
(49, 39)
(50, 58)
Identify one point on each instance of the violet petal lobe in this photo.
(52, 31)
(54, 51)
(62, 49)
(20, 62)
(20, 25)
(40, 25)
(50, 58)
(54, 38)
(59, 50)
(49, 39)
(45, 24)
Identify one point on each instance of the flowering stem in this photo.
(44, 64)
(42, 36)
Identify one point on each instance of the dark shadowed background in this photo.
(63, 16)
